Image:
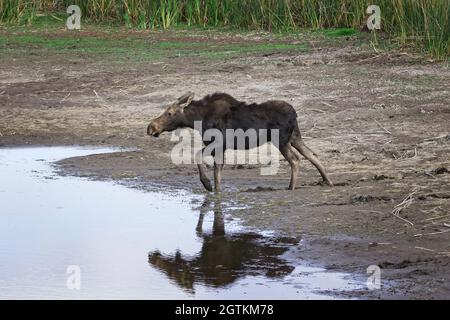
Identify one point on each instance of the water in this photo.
(120, 243)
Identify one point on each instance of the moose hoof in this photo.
(207, 185)
(325, 183)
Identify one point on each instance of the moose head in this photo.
(172, 118)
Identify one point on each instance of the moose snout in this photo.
(152, 130)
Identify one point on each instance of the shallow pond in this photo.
(73, 238)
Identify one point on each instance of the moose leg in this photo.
(199, 227)
(289, 153)
(202, 171)
(218, 224)
(308, 154)
(217, 176)
(203, 210)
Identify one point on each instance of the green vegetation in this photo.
(135, 48)
(341, 32)
(421, 23)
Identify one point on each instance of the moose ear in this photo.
(185, 99)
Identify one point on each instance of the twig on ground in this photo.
(403, 205)
(426, 249)
(57, 18)
(99, 98)
(438, 137)
(313, 127)
(431, 233)
(429, 174)
(381, 126)
(65, 91)
(63, 99)
(327, 104)
(373, 211)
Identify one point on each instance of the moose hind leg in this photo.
(308, 154)
(289, 153)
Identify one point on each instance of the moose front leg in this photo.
(217, 176)
(203, 210)
(203, 178)
(202, 171)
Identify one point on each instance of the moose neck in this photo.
(192, 114)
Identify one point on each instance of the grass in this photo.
(339, 32)
(136, 47)
(421, 24)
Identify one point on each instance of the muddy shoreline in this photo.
(409, 269)
(382, 138)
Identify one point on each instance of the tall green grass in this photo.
(422, 23)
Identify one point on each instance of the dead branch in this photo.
(381, 126)
(313, 127)
(403, 205)
(327, 104)
(438, 137)
(63, 99)
(431, 233)
(425, 249)
(429, 174)
(372, 211)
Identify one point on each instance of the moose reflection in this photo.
(224, 258)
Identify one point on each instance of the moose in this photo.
(222, 112)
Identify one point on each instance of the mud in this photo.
(377, 120)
